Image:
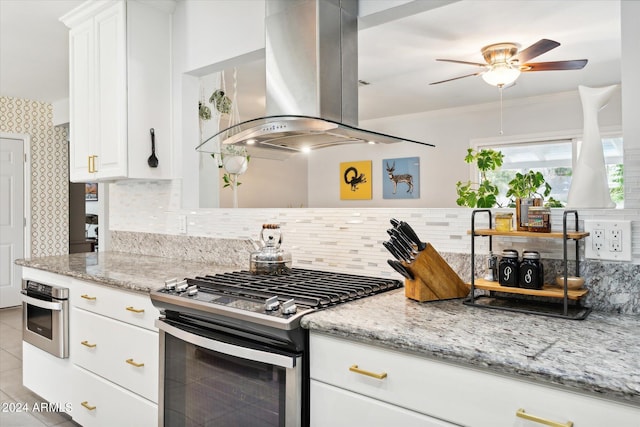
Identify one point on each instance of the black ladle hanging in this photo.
(153, 160)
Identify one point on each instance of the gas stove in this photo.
(273, 301)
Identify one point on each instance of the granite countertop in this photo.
(134, 272)
(599, 355)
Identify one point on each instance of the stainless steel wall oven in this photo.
(45, 317)
(232, 351)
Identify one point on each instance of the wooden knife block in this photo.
(434, 278)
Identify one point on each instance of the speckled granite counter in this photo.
(599, 355)
(134, 272)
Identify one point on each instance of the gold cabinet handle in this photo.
(86, 405)
(89, 164)
(92, 164)
(520, 413)
(87, 297)
(131, 362)
(135, 310)
(380, 376)
(86, 344)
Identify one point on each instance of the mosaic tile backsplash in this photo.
(345, 240)
(49, 172)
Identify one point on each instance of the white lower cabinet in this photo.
(335, 407)
(459, 395)
(124, 354)
(100, 403)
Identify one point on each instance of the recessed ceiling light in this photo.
(251, 141)
(306, 149)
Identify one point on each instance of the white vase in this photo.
(236, 165)
(589, 187)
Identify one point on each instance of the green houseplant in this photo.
(527, 189)
(484, 193)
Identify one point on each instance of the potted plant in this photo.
(483, 194)
(235, 161)
(528, 189)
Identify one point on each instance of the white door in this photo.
(11, 218)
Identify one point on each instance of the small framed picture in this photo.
(91, 192)
(355, 180)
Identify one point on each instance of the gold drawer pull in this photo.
(135, 310)
(86, 344)
(521, 414)
(380, 376)
(131, 362)
(85, 296)
(86, 405)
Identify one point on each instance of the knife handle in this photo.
(402, 239)
(394, 222)
(408, 231)
(393, 251)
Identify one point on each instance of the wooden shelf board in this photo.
(551, 291)
(554, 235)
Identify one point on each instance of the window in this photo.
(555, 159)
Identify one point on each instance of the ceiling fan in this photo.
(504, 63)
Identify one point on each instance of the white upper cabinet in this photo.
(120, 88)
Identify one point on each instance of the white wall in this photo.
(451, 131)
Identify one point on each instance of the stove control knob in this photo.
(170, 284)
(192, 290)
(271, 304)
(182, 286)
(289, 307)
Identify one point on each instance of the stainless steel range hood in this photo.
(311, 81)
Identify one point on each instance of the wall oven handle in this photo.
(56, 306)
(229, 349)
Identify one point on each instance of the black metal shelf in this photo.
(504, 299)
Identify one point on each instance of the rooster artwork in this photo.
(403, 178)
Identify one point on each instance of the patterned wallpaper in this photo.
(49, 172)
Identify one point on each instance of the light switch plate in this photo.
(608, 240)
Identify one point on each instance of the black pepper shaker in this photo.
(508, 268)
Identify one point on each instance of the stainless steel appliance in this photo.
(45, 317)
(232, 351)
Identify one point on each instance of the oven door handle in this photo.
(229, 349)
(56, 306)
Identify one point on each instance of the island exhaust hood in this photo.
(311, 57)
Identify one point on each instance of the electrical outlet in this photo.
(608, 240)
(182, 224)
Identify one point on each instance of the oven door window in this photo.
(206, 388)
(40, 321)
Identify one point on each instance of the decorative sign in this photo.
(355, 180)
(91, 192)
(401, 178)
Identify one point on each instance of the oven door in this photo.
(45, 323)
(209, 378)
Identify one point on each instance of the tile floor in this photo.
(11, 388)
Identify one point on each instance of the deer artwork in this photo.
(397, 179)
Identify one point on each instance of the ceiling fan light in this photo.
(501, 75)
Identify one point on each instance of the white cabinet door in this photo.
(99, 403)
(81, 93)
(335, 407)
(111, 92)
(122, 353)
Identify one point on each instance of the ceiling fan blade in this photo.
(536, 49)
(463, 62)
(456, 78)
(576, 64)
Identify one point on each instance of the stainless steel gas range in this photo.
(231, 347)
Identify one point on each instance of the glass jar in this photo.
(539, 219)
(504, 221)
(508, 268)
(531, 271)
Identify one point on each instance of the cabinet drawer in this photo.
(97, 402)
(335, 407)
(454, 393)
(124, 354)
(125, 306)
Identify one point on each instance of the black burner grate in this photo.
(311, 288)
